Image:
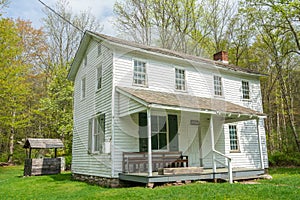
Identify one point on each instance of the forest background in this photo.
(36, 97)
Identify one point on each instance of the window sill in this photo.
(98, 90)
(219, 97)
(139, 85)
(246, 100)
(234, 151)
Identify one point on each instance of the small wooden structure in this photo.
(42, 166)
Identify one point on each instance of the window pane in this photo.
(162, 141)
(154, 142)
(245, 90)
(154, 124)
(179, 79)
(233, 137)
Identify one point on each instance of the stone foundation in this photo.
(101, 181)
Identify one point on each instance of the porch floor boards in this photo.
(207, 174)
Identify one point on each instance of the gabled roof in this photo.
(43, 143)
(175, 100)
(148, 49)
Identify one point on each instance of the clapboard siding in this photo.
(249, 155)
(84, 109)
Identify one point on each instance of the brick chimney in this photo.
(221, 56)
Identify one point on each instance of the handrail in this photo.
(230, 177)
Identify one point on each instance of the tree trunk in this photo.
(11, 146)
(288, 107)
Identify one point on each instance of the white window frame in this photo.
(96, 134)
(83, 88)
(233, 142)
(99, 71)
(138, 74)
(180, 81)
(242, 89)
(218, 92)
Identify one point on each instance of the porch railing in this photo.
(137, 162)
(227, 164)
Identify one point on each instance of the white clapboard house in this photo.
(139, 110)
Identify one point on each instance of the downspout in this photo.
(113, 118)
(259, 144)
(149, 142)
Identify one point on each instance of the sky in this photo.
(32, 10)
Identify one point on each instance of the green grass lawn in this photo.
(285, 185)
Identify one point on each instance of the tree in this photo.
(277, 25)
(134, 18)
(65, 32)
(13, 85)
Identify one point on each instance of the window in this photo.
(96, 134)
(99, 52)
(218, 85)
(245, 90)
(83, 87)
(85, 61)
(159, 132)
(179, 79)
(99, 77)
(233, 138)
(139, 75)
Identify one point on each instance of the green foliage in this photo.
(57, 108)
(283, 159)
(285, 185)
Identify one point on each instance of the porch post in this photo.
(149, 142)
(211, 126)
(259, 145)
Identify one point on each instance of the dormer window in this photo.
(218, 89)
(180, 79)
(139, 73)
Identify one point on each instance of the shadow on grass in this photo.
(61, 177)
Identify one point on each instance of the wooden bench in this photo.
(137, 162)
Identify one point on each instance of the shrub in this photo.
(281, 159)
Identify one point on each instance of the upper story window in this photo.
(85, 61)
(179, 79)
(83, 88)
(96, 134)
(99, 77)
(99, 50)
(234, 144)
(245, 90)
(139, 73)
(218, 90)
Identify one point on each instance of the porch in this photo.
(166, 123)
(207, 175)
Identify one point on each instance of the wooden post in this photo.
(29, 156)
(211, 126)
(149, 142)
(259, 145)
(55, 152)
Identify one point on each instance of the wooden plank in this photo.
(184, 170)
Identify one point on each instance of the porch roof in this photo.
(186, 102)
